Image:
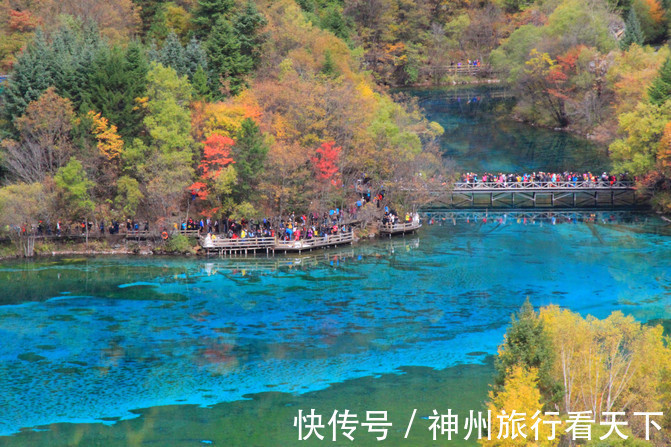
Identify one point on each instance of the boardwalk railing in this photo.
(545, 186)
(250, 243)
(398, 228)
(317, 242)
(237, 246)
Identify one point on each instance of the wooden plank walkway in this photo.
(330, 240)
(226, 246)
(399, 228)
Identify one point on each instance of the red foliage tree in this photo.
(216, 156)
(325, 161)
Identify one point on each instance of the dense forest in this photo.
(153, 108)
(116, 109)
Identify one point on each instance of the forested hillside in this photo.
(245, 109)
(249, 108)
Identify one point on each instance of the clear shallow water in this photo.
(180, 352)
(479, 137)
(164, 332)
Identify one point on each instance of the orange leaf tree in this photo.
(217, 175)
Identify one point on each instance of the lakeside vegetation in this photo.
(555, 360)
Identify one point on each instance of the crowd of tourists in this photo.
(545, 179)
(391, 217)
(291, 228)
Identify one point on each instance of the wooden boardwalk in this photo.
(331, 240)
(399, 228)
(226, 246)
(539, 195)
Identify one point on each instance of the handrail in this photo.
(317, 241)
(241, 243)
(543, 185)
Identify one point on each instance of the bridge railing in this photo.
(548, 185)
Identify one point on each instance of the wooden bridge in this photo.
(226, 246)
(565, 194)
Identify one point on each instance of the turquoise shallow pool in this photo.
(192, 352)
(90, 341)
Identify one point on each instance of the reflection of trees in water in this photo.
(480, 136)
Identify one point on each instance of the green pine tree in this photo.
(527, 344)
(29, 79)
(173, 55)
(118, 78)
(208, 13)
(632, 31)
(660, 89)
(249, 153)
(200, 83)
(247, 24)
(225, 59)
(329, 69)
(195, 57)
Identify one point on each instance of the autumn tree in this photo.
(21, 204)
(44, 144)
(519, 394)
(217, 175)
(110, 143)
(168, 158)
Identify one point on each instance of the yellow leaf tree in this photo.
(520, 394)
(110, 143)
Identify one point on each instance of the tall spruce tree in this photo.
(118, 78)
(247, 24)
(225, 60)
(29, 79)
(208, 13)
(172, 54)
(249, 153)
(195, 57)
(632, 31)
(528, 345)
(660, 89)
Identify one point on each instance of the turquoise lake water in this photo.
(184, 351)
